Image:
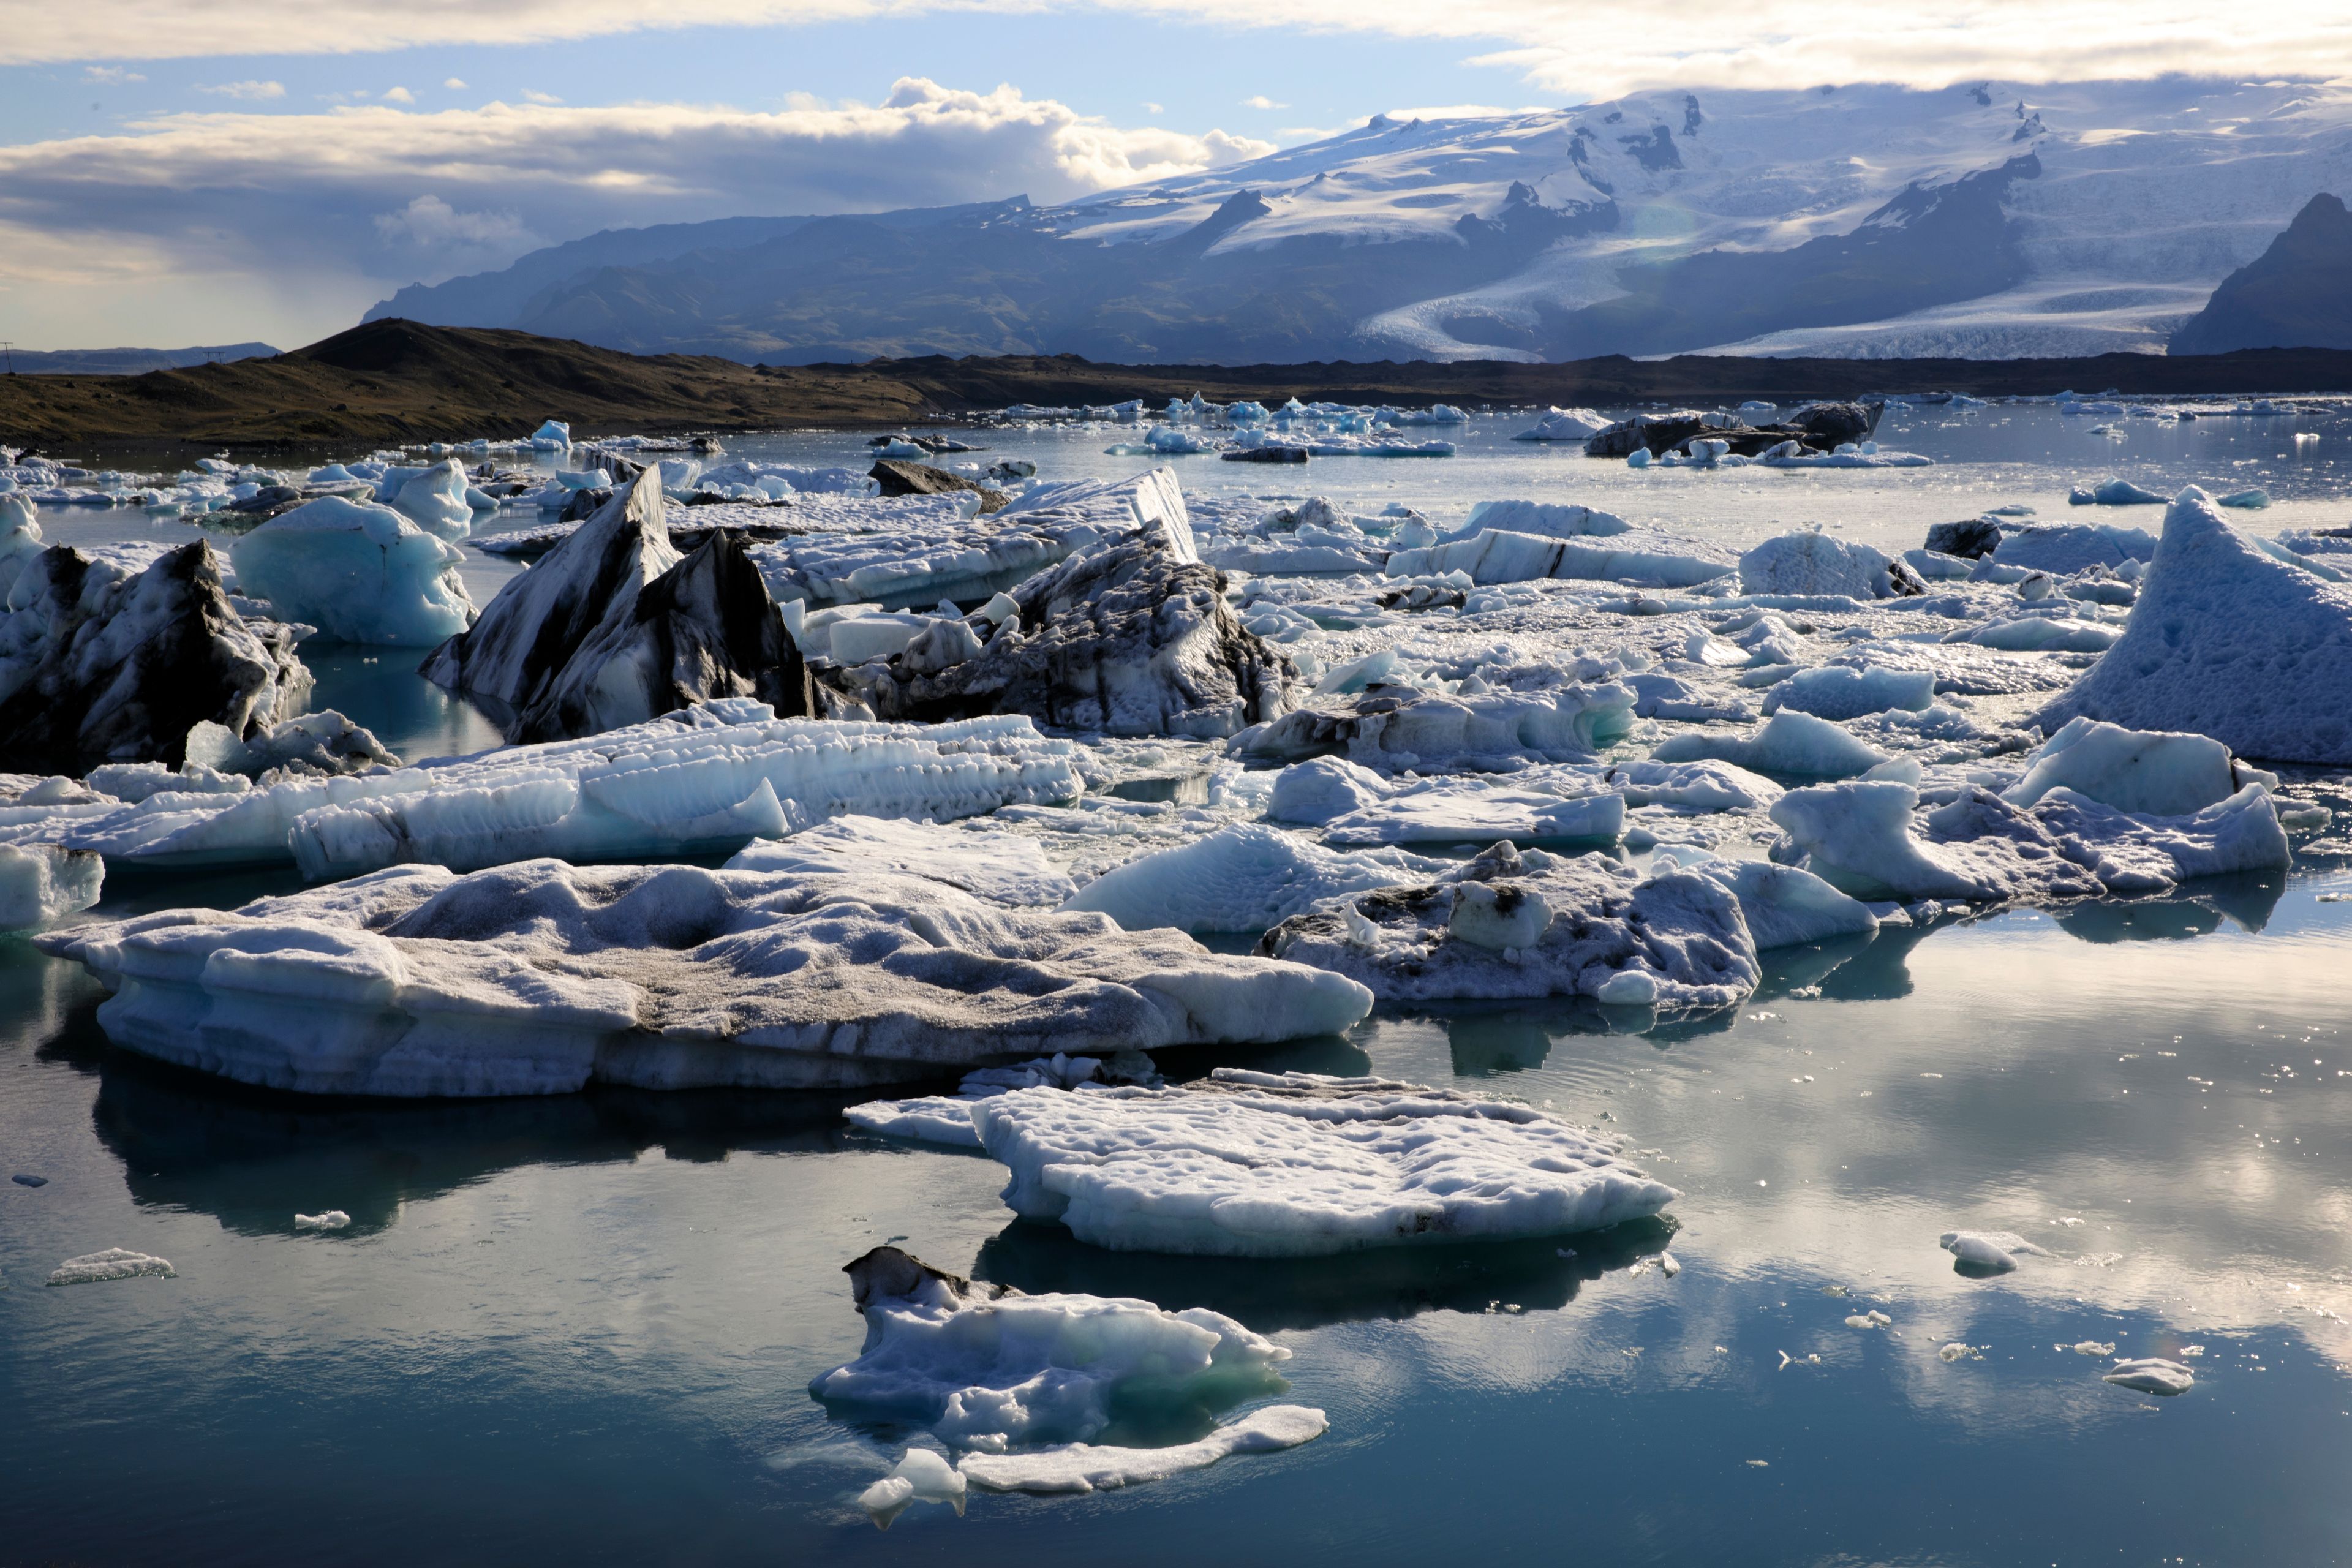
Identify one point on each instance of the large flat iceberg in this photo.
(540, 978)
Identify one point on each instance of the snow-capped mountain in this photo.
(1983, 220)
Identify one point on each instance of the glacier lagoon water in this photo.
(581, 1329)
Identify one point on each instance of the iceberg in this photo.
(1131, 638)
(542, 977)
(1577, 424)
(1493, 555)
(1810, 562)
(359, 572)
(1248, 1164)
(2227, 640)
(1510, 923)
(1863, 838)
(1784, 906)
(40, 883)
(2153, 774)
(555, 436)
(614, 628)
(2113, 492)
(112, 656)
(1449, 811)
(1393, 728)
(984, 1366)
(2151, 1374)
(702, 780)
(1003, 867)
(2063, 549)
(433, 498)
(1550, 519)
(1246, 877)
(1789, 743)
(1842, 691)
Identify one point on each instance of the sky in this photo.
(174, 174)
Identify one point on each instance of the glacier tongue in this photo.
(541, 978)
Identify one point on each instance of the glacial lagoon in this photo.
(584, 1326)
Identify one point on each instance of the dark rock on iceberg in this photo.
(1972, 539)
(1830, 424)
(105, 660)
(1135, 638)
(900, 477)
(613, 627)
(2296, 294)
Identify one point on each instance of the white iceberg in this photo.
(2227, 640)
(2151, 1374)
(1246, 1164)
(1784, 906)
(2063, 549)
(1453, 811)
(359, 572)
(1494, 555)
(1003, 867)
(1809, 562)
(1509, 925)
(1577, 424)
(555, 436)
(114, 1263)
(1550, 519)
(542, 977)
(2149, 774)
(434, 497)
(1247, 877)
(1842, 691)
(1789, 743)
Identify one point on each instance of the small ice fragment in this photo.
(114, 1263)
(333, 1219)
(1960, 1351)
(1759, 1464)
(2192, 1349)
(2089, 1347)
(26, 1179)
(2151, 1374)
(1874, 1318)
(1085, 1466)
(887, 1498)
(1565, 1251)
(1986, 1251)
(1667, 1261)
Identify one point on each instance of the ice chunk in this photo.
(1783, 905)
(114, 1263)
(1445, 811)
(1690, 786)
(946, 1118)
(359, 572)
(1087, 1467)
(2043, 634)
(1577, 424)
(1493, 555)
(1315, 791)
(2151, 1374)
(1247, 877)
(1003, 868)
(702, 780)
(2156, 775)
(1133, 639)
(1842, 691)
(433, 498)
(1810, 562)
(1297, 1165)
(1549, 520)
(2065, 548)
(112, 657)
(986, 1366)
(614, 628)
(2113, 492)
(20, 541)
(1680, 936)
(541, 978)
(1393, 728)
(333, 1219)
(921, 1477)
(2226, 640)
(1789, 743)
(40, 883)
(1862, 837)
(555, 436)
(1991, 1252)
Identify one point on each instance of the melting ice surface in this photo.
(582, 1328)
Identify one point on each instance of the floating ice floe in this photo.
(986, 1367)
(333, 1219)
(1789, 743)
(542, 977)
(112, 656)
(614, 628)
(2151, 1374)
(1987, 1252)
(1510, 924)
(1250, 1164)
(1003, 867)
(2228, 639)
(1784, 906)
(2113, 492)
(1247, 877)
(1577, 424)
(1494, 555)
(1548, 520)
(1130, 638)
(114, 1263)
(2150, 772)
(2063, 548)
(1868, 838)
(359, 572)
(1811, 563)
(40, 883)
(1843, 691)
(946, 1118)
(1453, 811)
(1394, 728)
(1087, 1468)
(704, 779)
(922, 1476)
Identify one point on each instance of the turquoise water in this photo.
(581, 1329)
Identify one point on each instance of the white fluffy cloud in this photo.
(1580, 50)
(251, 92)
(362, 199)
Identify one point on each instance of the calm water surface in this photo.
(580, 1330)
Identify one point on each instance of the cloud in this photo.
(1260, 100)
(455, 85)
(536, 96)
(356, 201)
(398, 95)
(250, 90)
(1578, 51)
(109, 75)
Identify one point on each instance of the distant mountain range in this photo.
(1983, 221)
(2296, 294)
(125, 362)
